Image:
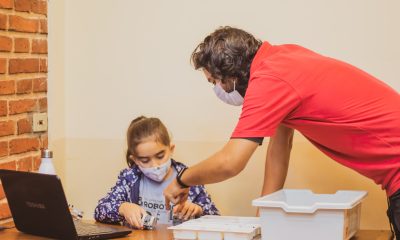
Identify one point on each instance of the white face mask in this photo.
(156, 173)
(232, 98)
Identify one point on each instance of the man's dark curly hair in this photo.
(227, 53)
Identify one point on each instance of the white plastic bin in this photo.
(301, 214)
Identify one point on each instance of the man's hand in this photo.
(132, 213)
(176, 194)
(188, 210)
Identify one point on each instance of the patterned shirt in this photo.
(127, 188)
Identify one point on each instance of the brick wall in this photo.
(23, 85)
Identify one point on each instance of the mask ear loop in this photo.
(234, 85)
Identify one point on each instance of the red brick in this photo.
(39, 6)
(40, 85)
(3, 149)
(2, 195)
(24, 126)
(24, 86)
(8, 165)
(21, 65)
(7, 128)
(22, 106)
(43, 104)
(23, 5)
(3, 21)
(7, 4)
(7, 87)
(43, 65)
(44, 141)
(4, 211)
(25, 164)
(39, 46)
(43, 26)
(36, 162)
(22, 145)
(3, 65)
(3, 108)
(21, 24)
(5, 44)
(21, 45)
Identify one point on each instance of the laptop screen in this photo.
(38, 204)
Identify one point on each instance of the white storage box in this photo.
(301, 214)
(218, 228)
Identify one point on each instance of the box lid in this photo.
(305, 201)
(223, 224)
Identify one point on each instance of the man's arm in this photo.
(277, 160)
(224, 164)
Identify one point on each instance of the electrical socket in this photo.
(39, 122)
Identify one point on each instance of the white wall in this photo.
(111, 61)
(56, 84)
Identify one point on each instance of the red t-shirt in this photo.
(348, 114)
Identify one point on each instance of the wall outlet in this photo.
(39, 122)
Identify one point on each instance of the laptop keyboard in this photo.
(83, 229)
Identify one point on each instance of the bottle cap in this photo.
(46, 153)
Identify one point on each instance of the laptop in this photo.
(39, 207)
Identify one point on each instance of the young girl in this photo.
(139, 187)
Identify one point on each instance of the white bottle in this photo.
(46, 166)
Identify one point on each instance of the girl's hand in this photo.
(132, 213)
(187, 210)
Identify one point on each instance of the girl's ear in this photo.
(172, 148)
(132, 158)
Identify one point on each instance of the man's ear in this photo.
(229, 84)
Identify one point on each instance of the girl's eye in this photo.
(145, 160)
(160, 156)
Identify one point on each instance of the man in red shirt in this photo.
(348, 114)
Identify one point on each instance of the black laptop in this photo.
(39, 207)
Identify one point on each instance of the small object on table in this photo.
(76, 213)
(149, 222)
(175, 219)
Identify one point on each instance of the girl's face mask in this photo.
(156, 173)
(153, 158)
(233, 98)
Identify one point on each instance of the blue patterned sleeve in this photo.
(107, 207)
(199, 196)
